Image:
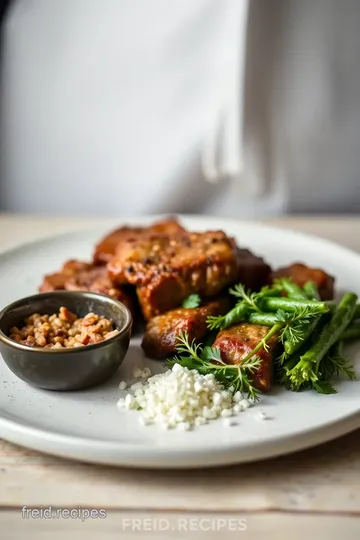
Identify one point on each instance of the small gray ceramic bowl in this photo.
(65, 369)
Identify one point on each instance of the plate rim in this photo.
(136, 456)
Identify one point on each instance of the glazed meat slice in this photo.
(161, 332)
(167, 269)
(83, 276)
(187, 254)
(253, 271)
(167, 226)
(57, 280)
(107, 247)
(96, 279)
(236, 342)
(300, 274)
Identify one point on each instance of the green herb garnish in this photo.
(191, 302)
(320, 360)
(208, 360)
(309, 331)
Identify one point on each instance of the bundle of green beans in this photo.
(310, 331)
(314, 362)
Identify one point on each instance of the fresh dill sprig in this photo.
(296, 324)
(336, 364)
(246, 304)
(191, 302)
(249, 305)
(248, 297)
(208, 360)
(324, 387)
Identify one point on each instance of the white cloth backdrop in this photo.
(108, 106)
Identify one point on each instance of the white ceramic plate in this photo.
(88, 426)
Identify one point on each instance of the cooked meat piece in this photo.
(107, 247)
(300, 274)
(236, 342)
(72, 266)
(165, 292)
(253, 272)
(82, 276)
(166, 269)
(161, 331)
(57, 280)
(96, 279)
(167, 226)
(187, 254)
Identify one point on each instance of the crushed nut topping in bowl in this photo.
(63, 330)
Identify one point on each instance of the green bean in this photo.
(292, 290)
(236, 315)
(357, 312)
(332, 305)
(337, 349)
(351, 332)
(263, 319)
(272, 293)
(291, 362)
(287, 364)
(287, 304)
(290, 347)
(311, 290)
(332, 331)
(356, 315)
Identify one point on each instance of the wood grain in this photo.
(322, 479)
(182, 525)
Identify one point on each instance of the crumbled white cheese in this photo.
(237, 397)
(121, 403)
(240, 404)
(244, 404)
(146, 373)
(182, 398)
(216, 398)
(123, 385)
(130, 401)
(226, 413)
(137, 372)
(136, 386)
(200, 420)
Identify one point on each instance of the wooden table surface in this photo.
(315, 492)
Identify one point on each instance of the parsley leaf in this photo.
(191, 302)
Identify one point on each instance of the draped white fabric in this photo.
(123, 106)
